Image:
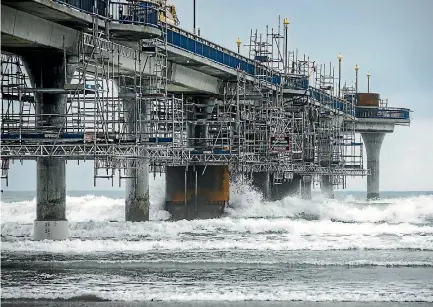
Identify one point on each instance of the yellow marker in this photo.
(238, 42)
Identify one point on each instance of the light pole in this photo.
(356, 82)
(286, 37)
(368, 82)
(238, 42)
(194, 16)
(340, 57)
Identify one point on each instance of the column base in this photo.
(306, 190)
(261, 182)
(137, 210)
(51, 230)
(197, 192)
(137, 192)
(271, 191)
(207, 210)
(287, 188)
(373, 196)
(327, 187)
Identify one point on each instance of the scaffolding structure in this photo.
(113, 116)
(299, 132)
(16, 107)
(268, 121)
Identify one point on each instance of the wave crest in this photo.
(245, 202)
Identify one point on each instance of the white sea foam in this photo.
(236, 263)
(244, 203)
(250, 223)
(142, 292)
(227, 228)
(418, 209)
(89, 208)
(251, 227)
(222, 242)
(80, 209)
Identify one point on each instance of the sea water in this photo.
(320, 252)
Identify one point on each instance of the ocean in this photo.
(291, 252)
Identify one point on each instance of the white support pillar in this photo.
(373, 143)
(137, 182)
(47, 70)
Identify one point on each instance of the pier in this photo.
(122, 84)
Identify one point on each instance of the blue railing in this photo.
(142, 13)
(385, 113)
(87, 5)
(147, 13)
(197, 45)
(331, 101)
(192, 43)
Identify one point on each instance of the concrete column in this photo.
(306, 187)
(286, 188)
(327, 186)
(51, 220)
(47, 70)
(137, 181)
(373, 143)
(326, 149)
(137, 192)
(261, 181)
(197, 191)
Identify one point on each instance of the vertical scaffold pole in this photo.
(195, 191)
(194, 16)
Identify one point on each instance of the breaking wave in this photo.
(96, 224)
(254, 237)
(247, 203)
(244, 203)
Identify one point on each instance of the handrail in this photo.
(384, 113)
(241, 62)
(277, 76)
(209, 43)
(347, 108)
(142, 13)
(86, 5)
(109, 46)
(250, 66)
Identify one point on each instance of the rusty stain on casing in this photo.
(368, 99)
(212, 184)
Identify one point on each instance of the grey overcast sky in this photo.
(393, 39)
